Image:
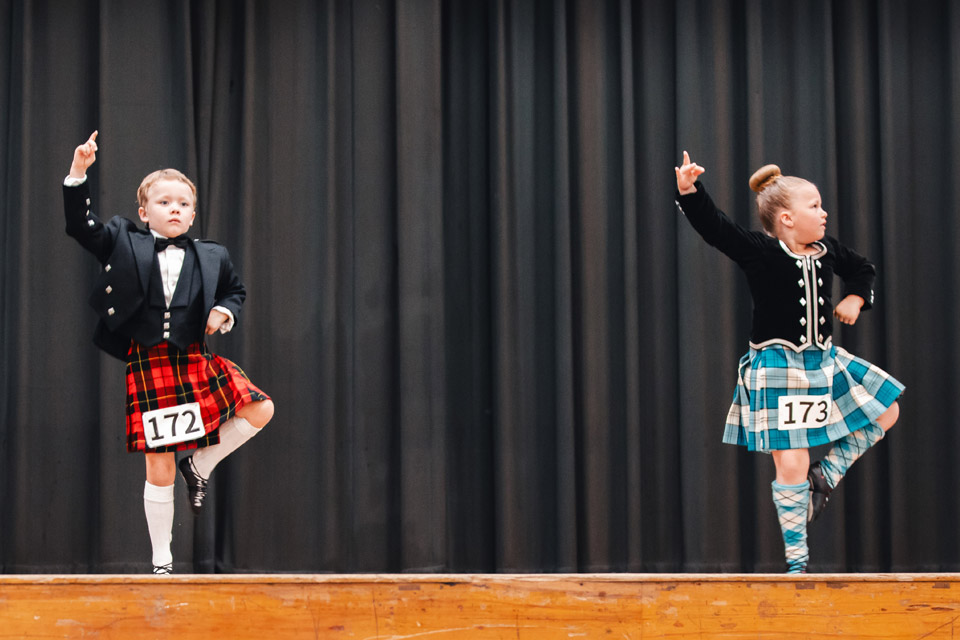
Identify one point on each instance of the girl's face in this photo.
(806, 212)
(169, 209)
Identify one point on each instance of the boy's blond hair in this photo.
(164, 174)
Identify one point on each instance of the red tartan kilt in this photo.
(162, 376)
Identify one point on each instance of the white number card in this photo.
(172, 425)
(803, 412)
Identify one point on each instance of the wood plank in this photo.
(481, 607)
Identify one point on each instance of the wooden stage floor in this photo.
(481, 606)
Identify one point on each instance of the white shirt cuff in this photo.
(70, 181)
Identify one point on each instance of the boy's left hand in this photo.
(848, 310)
(215, 320)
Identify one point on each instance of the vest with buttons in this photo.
(181, 324)
(792, 298)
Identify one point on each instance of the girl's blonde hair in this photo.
(774, 193)
(163, 174)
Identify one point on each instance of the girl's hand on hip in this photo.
(848, 309)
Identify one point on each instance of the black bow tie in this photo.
(182, 241)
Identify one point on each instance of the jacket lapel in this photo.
(209, 272)
(143, 256)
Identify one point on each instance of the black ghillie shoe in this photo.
(819, 492)
(163, 570)
(196, 486)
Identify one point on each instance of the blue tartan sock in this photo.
(847, 450)
(792, 502)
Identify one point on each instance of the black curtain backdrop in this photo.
(493, 344)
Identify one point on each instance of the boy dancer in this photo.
(158, 294)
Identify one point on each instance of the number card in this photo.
(172, 425)
(803, 412)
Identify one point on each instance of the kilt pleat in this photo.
(861, 393)
(163, 376)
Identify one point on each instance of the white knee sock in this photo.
(158, 505)
(233, 433)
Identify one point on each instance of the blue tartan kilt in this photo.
(861, 392)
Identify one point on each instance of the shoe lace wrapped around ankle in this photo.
(199, 490)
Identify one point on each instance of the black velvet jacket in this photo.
(122, 292)
(792, 302)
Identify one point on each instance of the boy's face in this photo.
(170, 208)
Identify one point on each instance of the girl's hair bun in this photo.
(764, 177)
